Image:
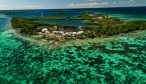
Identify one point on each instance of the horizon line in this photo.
(68, 8)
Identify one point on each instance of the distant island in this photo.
(60, 12)
(104, 26)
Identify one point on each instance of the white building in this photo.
(58, 32)
(44, 30)
(74, 33)
(55, 26)
(80, 32)
(99, 18)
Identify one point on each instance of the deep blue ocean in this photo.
(125, 13)
(120, 61)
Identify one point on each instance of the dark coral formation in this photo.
(97, 63)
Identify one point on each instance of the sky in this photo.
(55, 4)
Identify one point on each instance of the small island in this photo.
(104, 26)
(60, 12)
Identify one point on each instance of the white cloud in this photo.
(88, 5)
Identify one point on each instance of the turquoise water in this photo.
(117, 62)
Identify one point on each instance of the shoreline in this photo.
(78, 42)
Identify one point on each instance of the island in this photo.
(60, 12)
(104, 26)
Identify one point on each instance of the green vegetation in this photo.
(92, 22)
(103, 27)
(25, 25)
(49, 18)
(113, 25)
(60, 12)
(80, 18)
(62, 18)
(94, 19)
(87, 12)
(90, 18)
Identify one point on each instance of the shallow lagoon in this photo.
(122, 61)
(117, 62)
